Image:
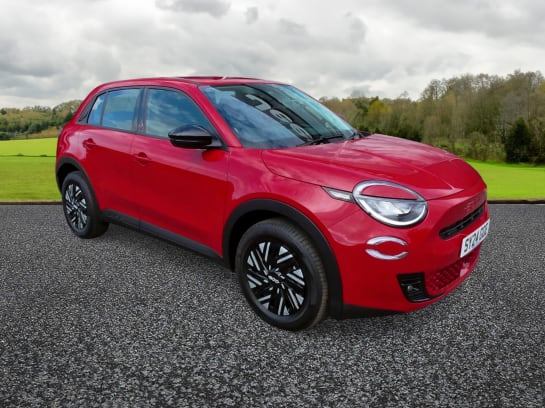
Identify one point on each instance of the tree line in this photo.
(23, 123)
(483, 117)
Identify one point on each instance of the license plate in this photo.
(474, 239)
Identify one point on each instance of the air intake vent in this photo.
(454, 229)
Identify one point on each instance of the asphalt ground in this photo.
(130, 320)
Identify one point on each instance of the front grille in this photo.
(465, 222)
(419, 287)
(436, 281)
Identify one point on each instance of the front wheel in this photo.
(80, 207)
(281, 275)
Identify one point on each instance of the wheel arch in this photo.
(65, 166)
(254, 211)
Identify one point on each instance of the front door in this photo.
(181, 190)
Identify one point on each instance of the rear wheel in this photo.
(281, 275)
(80, 207)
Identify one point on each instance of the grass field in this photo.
(27, 173)
(27, 170)
(30, 147)
(512, 181)
(28, 179)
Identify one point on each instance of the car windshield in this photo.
(276, 116)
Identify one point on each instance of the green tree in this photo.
(518, 141)
(362, 108)
(378, 115)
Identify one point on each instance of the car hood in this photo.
(429, 171)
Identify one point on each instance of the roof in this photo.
(193, 80)
(217, 80)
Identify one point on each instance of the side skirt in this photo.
(121, 219)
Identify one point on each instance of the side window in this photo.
(167, 110)
(95, 115)
(120, 109)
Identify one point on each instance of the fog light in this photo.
(413, 287)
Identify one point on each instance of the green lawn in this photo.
(28, 179)
(512, 181)
(30, 147)
(26, 175)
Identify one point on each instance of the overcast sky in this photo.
(56, 50)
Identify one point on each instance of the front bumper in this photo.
(422, 263)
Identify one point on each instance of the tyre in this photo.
(281, 275)
(80, 207)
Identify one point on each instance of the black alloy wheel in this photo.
(281, 275)
(76, 207)
(276, 278)
(80, 209)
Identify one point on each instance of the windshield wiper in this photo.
(357, 134)
(320, 140)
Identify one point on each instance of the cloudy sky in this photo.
(57, 50)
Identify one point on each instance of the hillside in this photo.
(36, 121)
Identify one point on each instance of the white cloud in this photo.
(252, 14)
(215, 8)
(60, 49)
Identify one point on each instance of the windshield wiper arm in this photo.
(357, 134)
(320, 140)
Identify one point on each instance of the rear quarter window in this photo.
(95, 116)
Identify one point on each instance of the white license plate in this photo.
(474, 239)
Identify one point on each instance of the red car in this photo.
(316, 218)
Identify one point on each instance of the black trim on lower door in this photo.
(131, 222)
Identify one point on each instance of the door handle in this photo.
(142, 158)
(89, 144)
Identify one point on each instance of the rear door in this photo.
(180, 190)
(107, 143)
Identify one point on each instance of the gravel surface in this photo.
(127, 320)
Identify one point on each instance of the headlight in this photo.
(390, 203)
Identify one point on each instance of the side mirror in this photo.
(190, 137)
